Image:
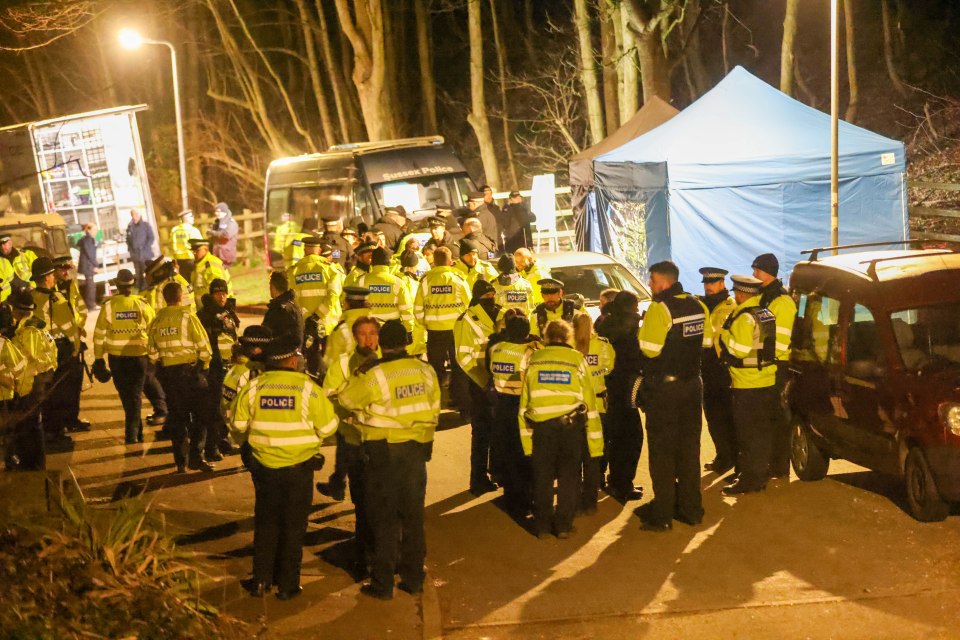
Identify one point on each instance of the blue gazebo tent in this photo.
(743, 170)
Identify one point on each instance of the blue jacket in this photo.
(88, 255)
(140, 241)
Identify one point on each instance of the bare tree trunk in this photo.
(478, 113)
(608, 49)
(803, 88)
(724, 32)
(630, 86)
(105, 71)
(888, 50)
(530, 31)
(588, 71)
(504, 114)
(850, 32)
(428, 86)
(696, 72)
(334, 74)
(654, 69)
(786, 47)
(307, 25)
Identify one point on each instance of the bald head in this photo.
(523, 258)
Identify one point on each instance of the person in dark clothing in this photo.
(283, 316)
(342, 248)
(391, 225)
(479, 209)
(514, 222)
(473, 230)
(140, 245)
(488, 200)
(219, 318)
(88, 264)
(440, 236)
(622, 427)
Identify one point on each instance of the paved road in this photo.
(835, 559)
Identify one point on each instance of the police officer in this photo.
(717, 404)
(158, 273)
(349, 463)
(27, 361)
(748, 341)
(71, 292)
(513, 290)
(309, 283)
(335, 276)
(671, 339)
(532, 271)
(20, 259)
(471, 332)
(247, 363)
(219, 319)
(287, 231)
(553, 307)
(180, 345)
(7, 273)
(293, 242)
(441, 297)
(473, 230)
(470, 266)
(600, 358)
(774, 296)
(207, 268)
(397, 418)
(389, 299)
(121, 334)
(507, 359)
(284, 416)
(283, 315)
(363, 255)
(441, 237)
(557, 404)
(341, 340)
(342, 252)
(63, 323)
(180, 237)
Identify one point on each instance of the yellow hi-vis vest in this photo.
(533, 275)
(482, 271)
(121, 328)
(338, 374)
(206, 271)
(784, 309)
(471, 332)
(341, 340)
(396, 399)
(177, 337)
(7, 273)
(600, 360)
(285, 416)
(389, 298)
(285, 233)
(72, 294)
(180, 237)
(309, 283)
(441, 297)
(239, 374)
(557, 383)
(154, 295)
(418, 343)
(516, 293)
(38, 350)
(23, 264)
(743, 340)
(335, 278)
(62, 320)
(15, 372)
(508, 364)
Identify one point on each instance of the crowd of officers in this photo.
(358, 341)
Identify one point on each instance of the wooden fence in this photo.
(935, 212)
(249, 240)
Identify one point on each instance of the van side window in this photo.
(815, 330)
(863, 352)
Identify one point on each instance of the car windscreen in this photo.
(421, 196)
(928, 335)
(590, 280)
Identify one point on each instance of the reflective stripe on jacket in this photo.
(309, 283)
(15, 375)
(441, 297)
(206, 271)
(180, 237)
(176, 336)
(121, 328)
(742, 340)
(508, 363)
(516, 294)
(389, 298)
(471, 332)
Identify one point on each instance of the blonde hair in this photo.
(558, 331)
(582, 332)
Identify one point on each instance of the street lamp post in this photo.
(131, 40)
(834, 126)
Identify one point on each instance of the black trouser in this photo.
(718, 409)
(340, 468)
(623, 438)
(557, 451)
(185, 267)
(184, 422)
(673, 435)
(514, 467)
(129, 374)
(139, 266)
(351, 457)
(396, 483)
(61, 406)
(27, 451)
(280, 512)
(154, 391)
(481, 420)
(217, 432)
(440, 352)
(89, 289)
(780, 452)
(755, 414)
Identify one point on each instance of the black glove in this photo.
(316, 462)
(100, 371)
(203, 385)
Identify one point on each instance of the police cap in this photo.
(712, 274)
(365, 247)
(330, 222)
(468, 246)
(124, 278)
(256, 334)
(436, 221)
(311, 241)
(4, 237)
(746, 284)
(356, 293)
(348, 231)
(550, 285)
(475, 195)
(22, 300)
(326, 250)
(156, 264)
(186, 212)
(218, 285)
(63, 262)
(196, 243)
(282, 347)
(41, 267)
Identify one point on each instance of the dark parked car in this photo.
(876, 369)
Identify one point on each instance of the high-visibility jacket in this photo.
(507, 362)
(38, 349)
(514, 292)
(661, 325)
(418, 343)
(61, 320)
(206, 271)
(389, 298)
(7, 273)
(180, 237)
(293, 250)
(743, 338)
(23, 264)
(284, 234)
(540, 315)
(309, 283)
(16, 374)
(284, 416)
(338, 374)
(784, 309)
(154, 294)
(471, 333)
(534, 274)
(357, 276)
(715, 321)
(176, 336)
(335, 278)
(441, 297)
(122, 327)
(483, 270)
(341, 340)
(558, 383)
(71, 291)
(396, 398)
(422, 265)
(600, 360)
(239, 374)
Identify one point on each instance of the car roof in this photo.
(884, 266)
(573, 259)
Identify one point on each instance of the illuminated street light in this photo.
(130, 39)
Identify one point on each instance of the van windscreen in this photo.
(421, 196)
